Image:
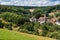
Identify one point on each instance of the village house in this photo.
(33, 19)
(52, 20)
(41, 20)
(57, 22)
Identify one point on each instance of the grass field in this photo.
(13, 35)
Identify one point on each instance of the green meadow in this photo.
(8, 35)
(14, 35)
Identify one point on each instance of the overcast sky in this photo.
(30, 2)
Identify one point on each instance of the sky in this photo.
(30, 2)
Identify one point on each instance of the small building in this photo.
(58, 22)
(52, 20)
(33, 19)
(41, 20)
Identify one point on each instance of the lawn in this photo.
(14, 35)
(9, 35)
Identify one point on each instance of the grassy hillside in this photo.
(12, 35)
(9, 35)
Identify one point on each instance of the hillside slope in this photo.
(13, 35)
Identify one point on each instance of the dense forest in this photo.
(18, 16)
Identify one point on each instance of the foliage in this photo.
(47, 29)
(1, 24)
(11, 17)
(58, 19)
(28, 26)
(55, 35)
(10, 27)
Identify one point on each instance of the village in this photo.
(43, 19)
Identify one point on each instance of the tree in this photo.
(14, 18)
(10, 26)
(1, 24)
(36, 27)
(58, 19)
(27, 26)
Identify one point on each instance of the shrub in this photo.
(32, 28)
(55, 35)
(28, 26)
(23, 30)
(10, 26)
(1, 24)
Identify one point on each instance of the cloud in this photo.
(57, 2)
(5, 3)
(6, 0)
(2, 2)
(30, 2)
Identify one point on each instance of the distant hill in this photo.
(29, 7)
(25, 9)
(25, 6)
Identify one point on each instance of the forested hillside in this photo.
(25, 10)
(19, 17)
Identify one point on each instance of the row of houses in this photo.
(45, 19)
